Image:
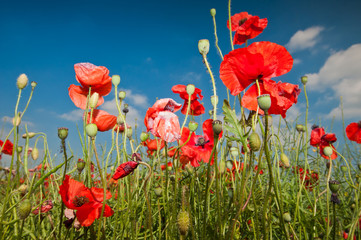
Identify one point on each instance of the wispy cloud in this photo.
(73, 116)
(304, 39)
(188, 77)
(341, 74)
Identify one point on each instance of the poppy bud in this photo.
(33, 84)
(287, 217)
(122, 95)
(29, 135)
(229, 164)
(214, 100)
(23, 189)
(254, 141)
(304, 80)
(190, 89)
(158, 191)
(115, 80)
(203, 46)
(344, 169)
(192, 126)
(93, 101)
(217, 127)
(24, 209)
(19, 149)
(144, 136)
(229, 144)
(17, 121)
(125, 169)
(285, 161)
(62, 133)
(213, 12)
(22, 81)
(264, 102)
(327, 151)
(80, 165)
(222, 166)
(234, 151)
(334, 185)
(125, 109)
(300, 128)
(35, 154)
(91, 130)
(120, 119)
(183, 222)
(129, 133)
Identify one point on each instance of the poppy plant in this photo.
(283, 96)
(196, 108)
(261, 60)
(161, 121)
(199, 147)
(7, 148)
(103, 120)
(353, 132)
(87, 201)
(321, 140)
(89, 75)
(246, 26)
(125, 169)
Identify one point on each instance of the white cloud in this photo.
(304, 39)
(342, 74)
(73, 116)
(296, 61)
(136, 99)
(189, 77)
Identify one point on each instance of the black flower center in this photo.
(169, 107)
(243, 20)
(80, 201)
(201, 142)
(359, 124)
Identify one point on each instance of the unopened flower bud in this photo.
(24, 209)
(23, 189)
(304, 80)
(22, 81)
(158, 191)
(29, 135)
(229, 144)
(17, 121)
(284, 160)
(334, 185)
(192, 126)
(19, 149)
(328, 151)
(35, 154)
(264, 102)
(120, 119)
(115, 80)
(62, 133)
(213, 12)
(300, 128)
(234, 151)
(217, 127)
(183, 221)
(93, 101)
(254, 142)
(80, 165)
(144, 136)
(126, 109)
(91, 130)
(287, 217)
(122, 95)
(214, 100)
(129, 132)
(203, 46)
(190, 89)
(344, 169)
(33, 84)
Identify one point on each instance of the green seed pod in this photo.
(328, 151)
(334, 186)
(22, 81)
(80, 165)
(129, 132)
(287, 217)
(304, 80)
(158, 191)
(264, 102)
(19, 149)
(115, 80)
(35, 154)
(122, 95)
(144, 136)
(234, 151)
(91, 130)
(62, 133)
(217, 127)
(192, 126)
(285, 161)
(213, 12)
(93, 101)
(254, 141)
(203, 46)
(190, 89)
(229, 164)
(183, 221)
(344, 169)
(33, 84)
(300, 128)
(24, 209)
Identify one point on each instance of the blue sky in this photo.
(152, 45)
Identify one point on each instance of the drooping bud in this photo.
(254, 142)
(334, 185)
(115, 80)
(287, 217)
(35, 154)
(29, 135)
(217, 127)
(328, 151)
(33, 84)
(304, 80)
(144, 136)
(183, 221)
(93, 101)
(17, 121)
(158, 191)
(80, 165)
(264, 102)
(91, 130)
(22, 81)
(284, 160)
(122, 95)
(300, 128)
(24, 209)
(213, 12)
(192, 126)
(62, 133)
(190, 89)
(214, 100)
(203, 46)
(19, 149)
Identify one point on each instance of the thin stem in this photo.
(214, 85)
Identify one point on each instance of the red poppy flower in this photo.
(246, 26)
(103, 120)
(163, 167)
(87, 202)
(8, 147)
(45, 207)
(261, 60)
(89, 75)
(353, 132)
(196, 107)
(199, 147)
(322, 140)
(311, 178)
(125, 169)
(283, 96)
(161, 121)
(153, 145)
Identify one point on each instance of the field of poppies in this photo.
(244, 173)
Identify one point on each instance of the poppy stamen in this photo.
(201, 142)
(169, 107)
(80, 201)
(243, 20)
